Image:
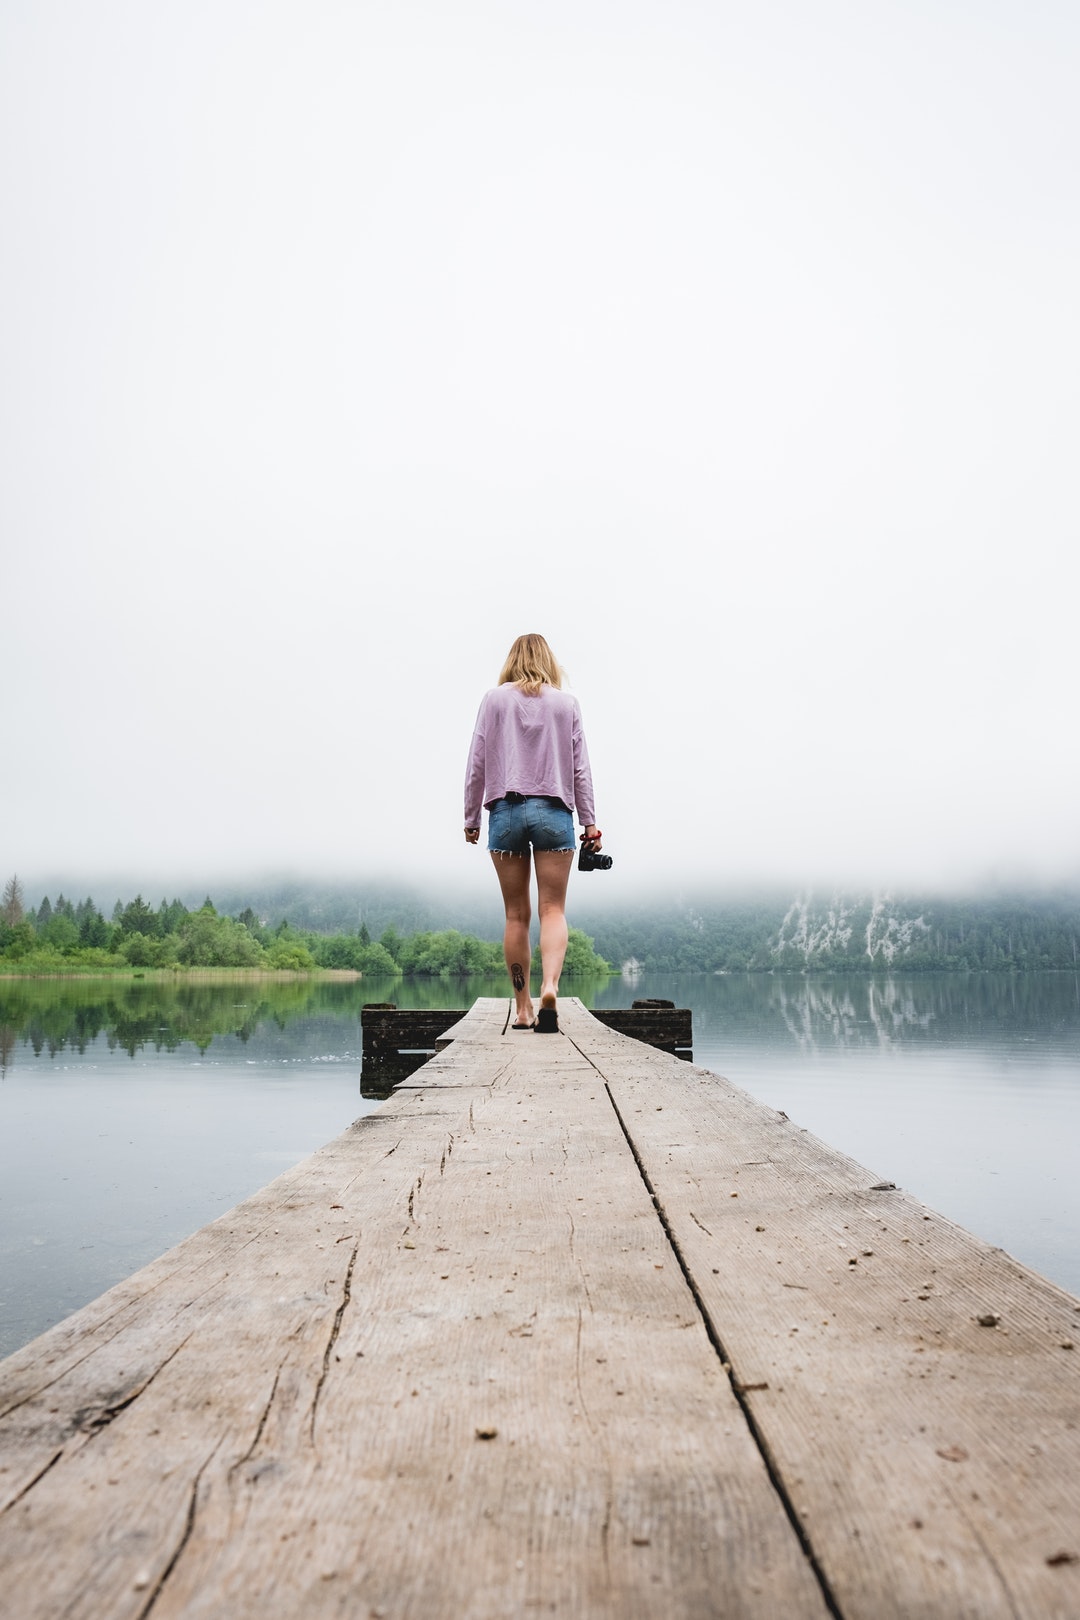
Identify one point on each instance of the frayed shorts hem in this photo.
(537, 822)
(520, 854)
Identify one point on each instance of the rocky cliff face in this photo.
(876, 929)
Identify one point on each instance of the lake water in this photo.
(131, 1114)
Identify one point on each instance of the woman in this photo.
(529, 767)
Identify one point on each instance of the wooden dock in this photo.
(567, 1326)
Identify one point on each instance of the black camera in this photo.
(590, 861)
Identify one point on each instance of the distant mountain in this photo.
(333, 908)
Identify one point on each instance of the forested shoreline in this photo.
(66, 937)
(379, 930)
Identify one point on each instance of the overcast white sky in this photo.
(734, 347)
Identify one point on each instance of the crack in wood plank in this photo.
(577, 1376)
(91, 1420)
(263, 1420)
(52, 1462)
(68, 1367)
(771, 1466)
(577, 1261)
(185, 1537)
(335, 1329)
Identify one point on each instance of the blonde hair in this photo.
(531, 664)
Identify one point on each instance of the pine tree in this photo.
(93, 929)
(138, 918)
(11, 903)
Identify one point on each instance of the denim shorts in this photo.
(514, 824)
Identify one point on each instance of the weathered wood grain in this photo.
(447, 1367)
(934, 1461)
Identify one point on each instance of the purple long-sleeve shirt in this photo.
(526, 744)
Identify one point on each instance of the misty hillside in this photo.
(808, 931)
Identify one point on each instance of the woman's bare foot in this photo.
(524, 1016)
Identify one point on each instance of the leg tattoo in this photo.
(517, 975)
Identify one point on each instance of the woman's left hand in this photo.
(472, 835)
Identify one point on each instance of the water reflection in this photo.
(808, 1015)
(815, 1015)
(53, 1016)
(131, 1113)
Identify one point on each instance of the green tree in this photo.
(376, 959)
(290, 955)
(21, 940)
(170, 916)
(581, 957)
(448, 953)
(94, 931)
(138, 918)
(337, 951)
(251, 922)
(138, 949)
(207, 940)
(61, 933)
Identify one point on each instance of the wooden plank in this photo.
(447, 1367)
(934, 1462)
(669, 1028)
(487, 1018)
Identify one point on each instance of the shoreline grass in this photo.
(184, 975)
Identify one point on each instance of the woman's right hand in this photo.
(592, 836)
(472, 835)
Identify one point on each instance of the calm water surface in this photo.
(130, 1115)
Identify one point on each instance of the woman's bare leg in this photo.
(514, 872)
(552, 875)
